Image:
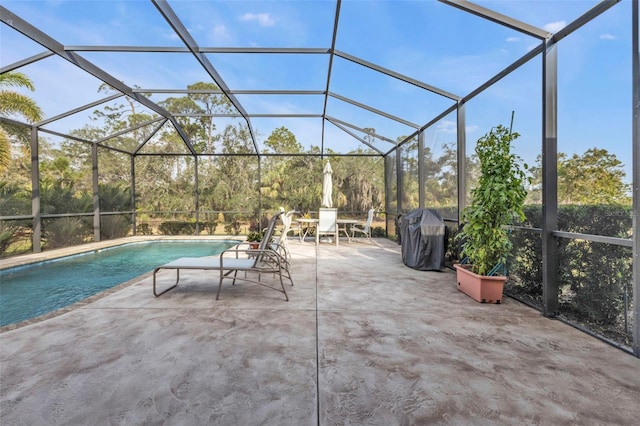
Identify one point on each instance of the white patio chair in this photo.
(366, 229)
(327, 224)
(294, 227)
(283, 242)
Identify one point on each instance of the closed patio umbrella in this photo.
(327, 186)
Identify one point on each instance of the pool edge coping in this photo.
(27, 259)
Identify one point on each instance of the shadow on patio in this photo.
(364, 340)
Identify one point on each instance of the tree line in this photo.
(234, 186)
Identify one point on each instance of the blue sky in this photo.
(425, 40)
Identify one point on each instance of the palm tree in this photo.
(12, 103)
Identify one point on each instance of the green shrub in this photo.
(232, 228)
(8, 236)
(114, 227)
(144, 229)
(177, 227)
(65, 231)
(594, 278)
(378, 232)
(210, 227)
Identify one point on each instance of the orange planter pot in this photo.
(481, 288)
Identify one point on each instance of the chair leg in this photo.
(155, 292)
(284, 290)
(220, 284)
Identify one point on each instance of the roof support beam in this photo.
(498, 18)
(524, 59)
(350, 133)
(635, 134)
(148, 138)
(182, 32)
(336, 20)
(233, 92)
(594, 12)
(375, 111)
(129, 129)
(179, 49)
(440, 116)
(26, 61)
(57, 48)
(382, 138)
(396, 75)
(238, 115)
(79, 109)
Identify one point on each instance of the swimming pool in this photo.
(36, 289)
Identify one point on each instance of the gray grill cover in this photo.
(422, 235)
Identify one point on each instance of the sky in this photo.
(428, 41)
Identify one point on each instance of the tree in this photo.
(211, 104)
(286, 178)
(358, 182)
(233, 185)
(14, 103)
(595, 177)
(282, 141)
(202, 106)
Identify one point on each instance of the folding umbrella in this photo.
(327, 186)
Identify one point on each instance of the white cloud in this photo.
(513, 39)
(554, 27)
(447, 126)
(221, 33)
(170, 35)
(451, 127)
(263, 19)
(607, 36)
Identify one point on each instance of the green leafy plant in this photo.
(496, 201)
(65, 232)
(255, 236)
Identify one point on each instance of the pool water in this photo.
(33, 290)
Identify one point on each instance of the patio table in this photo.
(347, 224)
(308, 224)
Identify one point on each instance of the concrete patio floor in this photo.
(364, 340)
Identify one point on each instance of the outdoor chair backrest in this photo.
(327, 220)
(286, 225)
(367, 225)
(268, 233)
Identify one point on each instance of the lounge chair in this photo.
(366, 229)
(327, 224)
(266, 259)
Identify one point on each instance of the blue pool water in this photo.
(32, 290)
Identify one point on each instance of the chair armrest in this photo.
(266, 255)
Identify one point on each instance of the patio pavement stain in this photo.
(364, 340)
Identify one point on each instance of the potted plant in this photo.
(496, 201)
(254, 238)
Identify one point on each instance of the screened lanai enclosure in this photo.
(125, 118)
